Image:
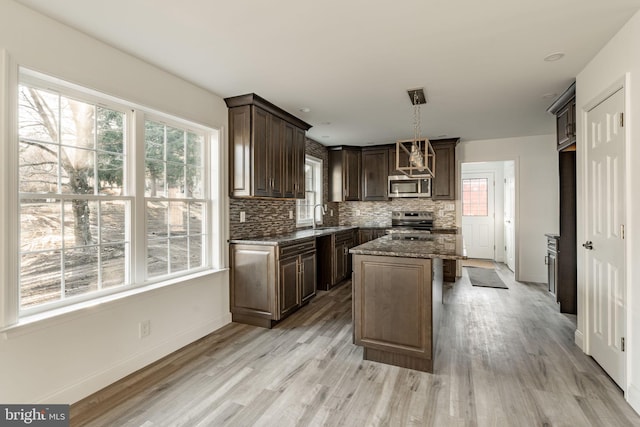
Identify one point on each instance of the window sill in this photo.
(50, 318)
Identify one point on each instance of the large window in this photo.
(313, 193)
(77, 195)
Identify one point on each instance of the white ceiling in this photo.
(352, 61)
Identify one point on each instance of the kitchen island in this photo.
(397, 296)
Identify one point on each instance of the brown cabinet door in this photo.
(404, 161)
(566, 125)
(239, 151)
(365, 235)
(299, 162)
(289, 277)
(375, 170)
(443, 185)
(352, 175)
(308, 276)
(289, 161)
(275, 147)
(261, 153)
(340, 263)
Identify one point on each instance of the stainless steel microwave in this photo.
(404, 186)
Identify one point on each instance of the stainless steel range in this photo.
(421, 221)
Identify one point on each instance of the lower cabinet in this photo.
(270, 282)
(367, 234)
(449, 270)
(552, 264)
(335, 259)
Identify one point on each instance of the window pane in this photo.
(39, 278)
(175, 145)
(154, 182)
(195, 218)
(179, 254)
(77, 123)
(113, 261)
(110, 173)
(157, 258)
(113, 220)
(38, 167)
(40, 225)
(194, 182)
(175, 179)
(195, 252)
(195, 148)
(178, 218)
(475, 197)
(157, 216)
(80, 271)
(38, 114)
(110, 136)
(77, 170)
(80, 223)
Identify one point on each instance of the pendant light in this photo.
(415, 157)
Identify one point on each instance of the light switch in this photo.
(243, 217)
(290, 214)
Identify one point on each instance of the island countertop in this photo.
(287, 238)
(444, 246)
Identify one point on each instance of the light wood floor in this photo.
(505, 358)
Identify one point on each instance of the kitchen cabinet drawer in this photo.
(297, 248)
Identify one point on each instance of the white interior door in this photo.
(509, 214)
(478, 212)
(604, 248)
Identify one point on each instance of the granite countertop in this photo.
(445, 246)
(293, 237)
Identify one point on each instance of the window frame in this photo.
(133, 192)
(317, 165)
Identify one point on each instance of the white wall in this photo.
(536, 164)
(497, 169)
(620, 58)
(67, 358)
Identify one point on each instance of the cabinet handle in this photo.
(546, 260)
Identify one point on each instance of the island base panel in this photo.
(395, 359)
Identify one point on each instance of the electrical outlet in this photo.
(331, 212)
(243, 217)
(450, 207)
(290, 214)
(357, 212)
(144, 328)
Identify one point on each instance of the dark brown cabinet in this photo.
(404, 161)
(563, 265)
(344, 174)
(375, 170)
(367, 234)
(449, 270)
(443, 185)
(564, 108)
(335, 259)
(266, 149)
(270, 282)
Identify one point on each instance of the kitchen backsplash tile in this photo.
(378, 214)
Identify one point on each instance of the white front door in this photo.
(478, 214)
(509, 214)
(604, 248)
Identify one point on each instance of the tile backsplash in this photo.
(378, 214)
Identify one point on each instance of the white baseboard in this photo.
(633, 397)
(102, 378)
(579, 339)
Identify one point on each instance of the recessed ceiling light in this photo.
(305, 109)
(325, 123)
(549, 95)
(554, 56)
(442, 136)
(325, 136)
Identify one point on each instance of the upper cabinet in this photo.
(375, 169)
(344, 174)
(564, 108)
(266, 149)
(443, 185)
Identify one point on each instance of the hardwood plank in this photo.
(504, 358)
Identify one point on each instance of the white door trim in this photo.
(584, 316)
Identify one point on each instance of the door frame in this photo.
(581, 336)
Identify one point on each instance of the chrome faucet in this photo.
(322, 208)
